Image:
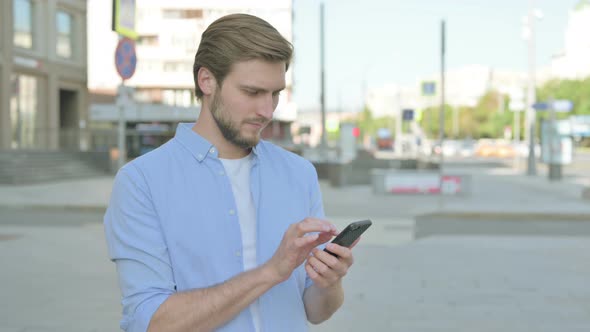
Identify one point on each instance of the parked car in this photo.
(495, 149)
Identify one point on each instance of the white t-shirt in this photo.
(238, 172)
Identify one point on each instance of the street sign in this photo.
(123, 20)
(560, 106)
(125, 58)
(428, 88)
(541, 106)
(408, 114)
(563, 105)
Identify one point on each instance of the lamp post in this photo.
(323, 143)
(530, 122)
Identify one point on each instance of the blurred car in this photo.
(495, 149)
(384, 139)
(453, 148)
(467, 148)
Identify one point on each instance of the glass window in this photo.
(23, 111)
(64, 34)
(148, 40)
(182, 13)
(23, 23)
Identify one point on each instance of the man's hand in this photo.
(297, 243)
(326, 295)
(326, 270)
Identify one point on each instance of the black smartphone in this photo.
(348, 235)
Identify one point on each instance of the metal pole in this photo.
(121, 131)
(455, 123)
(531, 93)
(441, 129)
(441, 132)
(322, 80)
(431, 110)
(552, 144)
(398, 126)
(516, 138)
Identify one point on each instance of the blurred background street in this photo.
(460, 128)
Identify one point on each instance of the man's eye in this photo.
(252, 92)
(276, 94)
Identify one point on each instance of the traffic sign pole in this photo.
(125, 62)
(121, 142)
(554, 167)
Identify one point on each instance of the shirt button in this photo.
(238, 253)
(212, 150)
(222, 173)
(232, 212)
(200, 156)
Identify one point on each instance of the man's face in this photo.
(246, 100)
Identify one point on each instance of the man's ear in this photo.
(206, 81)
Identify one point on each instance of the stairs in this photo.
(25, 167)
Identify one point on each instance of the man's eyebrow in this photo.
(255, 88)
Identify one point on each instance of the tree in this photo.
(369, 125)
(578, 91)
(430, 121)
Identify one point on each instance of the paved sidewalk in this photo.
(92, 193)
(466, 284)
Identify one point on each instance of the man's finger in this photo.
(321, 268)
(355, 242)
(310, 225)
(303, 241)
(340, 251)
(326, 258)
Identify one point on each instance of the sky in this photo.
(371, 43)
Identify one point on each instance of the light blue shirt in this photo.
(172, 226)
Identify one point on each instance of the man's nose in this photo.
(267, 107)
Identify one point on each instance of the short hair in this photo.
(238, 37)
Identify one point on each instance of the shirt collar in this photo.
(198, 146)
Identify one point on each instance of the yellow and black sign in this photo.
(124, 18)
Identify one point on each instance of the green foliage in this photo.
(369, 125)
(486, 120)
(491, 114)
(578, 91)
(430, 121)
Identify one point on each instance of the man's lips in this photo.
(257, 124)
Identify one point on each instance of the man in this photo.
(217, 229)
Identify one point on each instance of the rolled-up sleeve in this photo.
(136, 244)
(317, 205)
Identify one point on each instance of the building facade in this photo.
(43, 100)
(574, 61)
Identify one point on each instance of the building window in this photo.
(148, 40)
(176, 66)
(177, 98)
(182, 13)
(23, 23)
(23, 111)
(64, 25)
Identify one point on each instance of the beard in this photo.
(229, 130)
